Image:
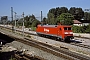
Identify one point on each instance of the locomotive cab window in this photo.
(67, 28)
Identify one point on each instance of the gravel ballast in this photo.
(30, 50)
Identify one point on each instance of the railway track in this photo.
(54, 50)
(76, 44)
(72, 43)
(45, 47)
(81, 45)
(65, 53)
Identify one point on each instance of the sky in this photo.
(30, 7)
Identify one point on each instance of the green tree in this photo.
(86, 16)
(26, 21)
(66, 18)
(35, 23)
(64, 10)
(29, 20)
(44, 20)
(50, 20)
(78, 13)
(20, 22)
(58, 10)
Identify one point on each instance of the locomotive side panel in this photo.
(47, 30)
(50, 31)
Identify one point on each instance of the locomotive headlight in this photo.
(68, 32)
(65, 32)
(71, 32)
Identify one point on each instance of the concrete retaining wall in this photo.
(82, 35)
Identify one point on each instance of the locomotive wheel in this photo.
(49, 37)
(67, 40)
(38, 34)
(45, 36)
(56, 38)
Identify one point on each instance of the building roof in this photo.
(77, 22)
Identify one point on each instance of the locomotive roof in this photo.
(52, 25)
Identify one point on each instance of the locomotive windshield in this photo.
(67, 28)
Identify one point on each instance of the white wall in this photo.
(77, 24)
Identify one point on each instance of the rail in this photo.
(65, 53)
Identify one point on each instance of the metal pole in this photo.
(41, 18)
(23, 24)
(15, 21)
(12, 17)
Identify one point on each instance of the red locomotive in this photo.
(60, 32)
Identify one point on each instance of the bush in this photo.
(33, 28)
(81, 29)
(88, 29)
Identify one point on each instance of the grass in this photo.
(33, 28)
